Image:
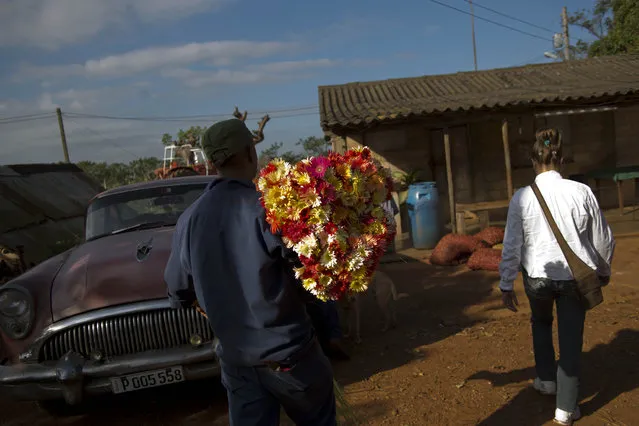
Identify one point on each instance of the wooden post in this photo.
(460, 217)
(63, 136)
(509, 177)
(449, 175)
(484, 219)
(620, 195)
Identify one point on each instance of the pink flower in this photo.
(318, 167)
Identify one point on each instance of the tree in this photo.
(190, 136)
(613, 23)
(312, 146)
(273, 151)
(118, 174)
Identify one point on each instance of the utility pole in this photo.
(564, 23)
(472, 26)
(63, 136)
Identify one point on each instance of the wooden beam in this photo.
(482, 205)
(449, 175)
(509, 177)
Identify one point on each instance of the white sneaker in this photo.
(545, 388)
(565, 418)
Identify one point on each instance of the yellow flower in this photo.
(325, 280)
(334, 181)
(302, 178)
(312, 199)
(377, 213)
(348, 199)
(359, 281)
(309, 284)
(375, 228)
(318, 216)
(299, 272)
(344, 170)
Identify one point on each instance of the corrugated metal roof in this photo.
(41, 205)
(358, 104)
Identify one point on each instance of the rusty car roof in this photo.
(160, 183)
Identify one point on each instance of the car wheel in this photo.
(59, 408)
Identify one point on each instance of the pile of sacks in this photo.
(477, 251)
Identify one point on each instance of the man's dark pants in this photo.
(542, 294)
(305, 392)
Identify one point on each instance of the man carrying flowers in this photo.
(226, 257)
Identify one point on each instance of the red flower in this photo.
(295, 231)
(330, 228)
(270, 168)
(326, 191)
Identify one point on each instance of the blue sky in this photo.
(168, 58)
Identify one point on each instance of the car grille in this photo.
(129, 334)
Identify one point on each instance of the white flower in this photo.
(328, 259)
(306, 246)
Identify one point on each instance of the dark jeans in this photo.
(305, 392)
(542, 294)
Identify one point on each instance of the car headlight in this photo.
(16, 311)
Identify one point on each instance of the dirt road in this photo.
(457, 358)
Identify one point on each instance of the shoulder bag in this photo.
(588, 282)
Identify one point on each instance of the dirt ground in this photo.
(457, 358)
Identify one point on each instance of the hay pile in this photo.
(481, 251)
(493, 235)
(454, 249)
(485, 259)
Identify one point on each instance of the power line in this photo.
(95, 132)
(200, 117)
(491, 21)
(21, 118)
(509, 16)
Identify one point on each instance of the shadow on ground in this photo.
(608, 370)
(438, 298)
(434, 310)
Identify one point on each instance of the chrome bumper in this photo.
(73, 376)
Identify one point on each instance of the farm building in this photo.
(471, 132)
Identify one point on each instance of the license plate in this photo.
(147, 379)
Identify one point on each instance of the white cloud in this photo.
(151, 58)
(161, 58)
(257, 73)
(291, 66)
(45, 102)
(195, 79)
(50, 24)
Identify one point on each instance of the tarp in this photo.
(42, 207)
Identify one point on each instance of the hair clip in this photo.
(547, 142)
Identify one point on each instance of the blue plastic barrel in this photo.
(423, 211)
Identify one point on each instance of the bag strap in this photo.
(571, 258)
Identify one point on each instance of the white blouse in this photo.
(529, 241)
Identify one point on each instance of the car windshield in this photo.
(139, 209)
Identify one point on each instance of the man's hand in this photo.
(510, 300)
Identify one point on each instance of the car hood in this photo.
(112, 270)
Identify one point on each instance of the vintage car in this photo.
(96, 318)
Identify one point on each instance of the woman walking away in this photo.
(530, 244)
